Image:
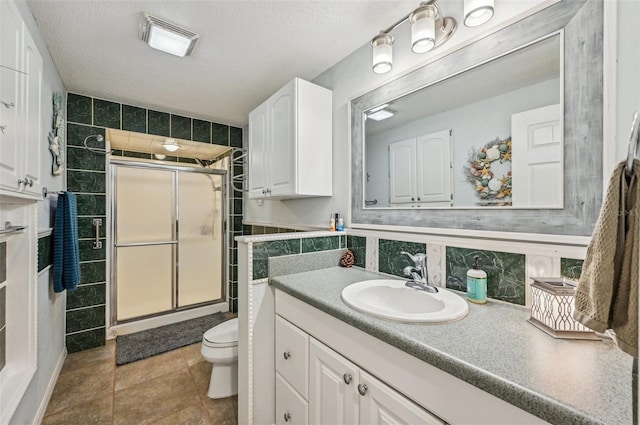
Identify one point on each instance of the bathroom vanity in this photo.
(336, 365)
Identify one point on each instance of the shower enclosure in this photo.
(167, 239)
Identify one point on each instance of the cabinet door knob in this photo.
(20, 181)
(418, 199)
(347, 378)
(3, 128)
(286, 355)
(287, 416)
(362, 389)
(8, 105)
(413, 199)
(28, 181)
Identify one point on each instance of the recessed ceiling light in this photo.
(159, 155)
(171, 145)
(167, 37)
(380, 115)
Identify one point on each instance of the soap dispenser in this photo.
(477, 283)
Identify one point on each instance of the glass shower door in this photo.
(200, 238)
(145, 241)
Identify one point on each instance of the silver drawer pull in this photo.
(287, 416)
(8, 105)
(347, 378)
(362, 389)
(287, 355)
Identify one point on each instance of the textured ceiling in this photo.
(247, 49)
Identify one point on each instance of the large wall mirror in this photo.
(504, 134)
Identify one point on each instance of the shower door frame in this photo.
(113, 303)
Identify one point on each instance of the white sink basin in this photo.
(391, 299)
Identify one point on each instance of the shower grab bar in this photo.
(97, 243)
(126, 245)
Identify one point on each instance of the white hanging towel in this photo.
(607, 293)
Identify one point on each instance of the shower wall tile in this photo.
(506, 278)
(45, 252)
(320, 244)
(187, 160)
(358, 245)
(180, 127)
(263, 250)
(86, 181)
(391, 261)
(3, 261)
(91, 204)
(234, 306)
(82, 159)
(235, 137)
(85, 340)
(86, 229)
(571, 268)
(134, 119)
(219, 134)
(79, 109)
(85, 318)
(93, 272)
(130, 154)
(106, 114)
(159, 123)
(87, 253)
(201, 131)
(86, 296)
(77, 133)
(237, 207)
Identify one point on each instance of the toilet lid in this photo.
(224, 333)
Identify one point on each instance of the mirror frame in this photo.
(581, 21)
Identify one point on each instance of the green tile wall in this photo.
(320, 244)
(571, 268)
(358, 245)
(86, 176)
(506, 278)
(45, 252)
(263, 250)
(391, 261)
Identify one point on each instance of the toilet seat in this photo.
(223, 335)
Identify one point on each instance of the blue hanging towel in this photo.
(66, 256)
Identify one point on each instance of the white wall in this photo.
(51, 306)
(353, 77)
(472, 125)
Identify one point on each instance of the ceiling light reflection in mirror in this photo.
(487, 137)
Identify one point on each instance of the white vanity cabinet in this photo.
(21, 74)
(317, 385)
(420, 170)
(290, 143)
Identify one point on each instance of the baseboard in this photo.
(37, 420)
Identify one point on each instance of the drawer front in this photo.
(291, 408)
(292, 355)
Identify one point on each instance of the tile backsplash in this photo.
(571, 268)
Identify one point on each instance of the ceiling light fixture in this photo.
(381, 114)
(160, 155)
(167, 37)
(171, 145)
(429, 29)
(477, 12)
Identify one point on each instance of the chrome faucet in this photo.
(419, 273)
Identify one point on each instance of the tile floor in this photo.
(167, 389)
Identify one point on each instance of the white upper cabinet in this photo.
(420, 170)
(290, 143)
(21, 76)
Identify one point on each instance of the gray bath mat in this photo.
(140, 345)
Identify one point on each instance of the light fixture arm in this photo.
(406, 17)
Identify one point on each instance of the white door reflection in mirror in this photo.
(537, 158)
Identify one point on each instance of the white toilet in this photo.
(220, 347)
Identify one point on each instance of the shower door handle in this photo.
(97, 243)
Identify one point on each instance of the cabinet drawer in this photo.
(292, 355)
(291, 408)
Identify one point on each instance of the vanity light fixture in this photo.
(171, 145)
(429, 29)
(167, 37)
(477, 12)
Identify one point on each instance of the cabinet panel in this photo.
(258, 151)
(382, 405)
(292, 355)
(282, 132)
(32, 107)
(333, 398)
(291, 408)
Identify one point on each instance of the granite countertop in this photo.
(495, 349)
